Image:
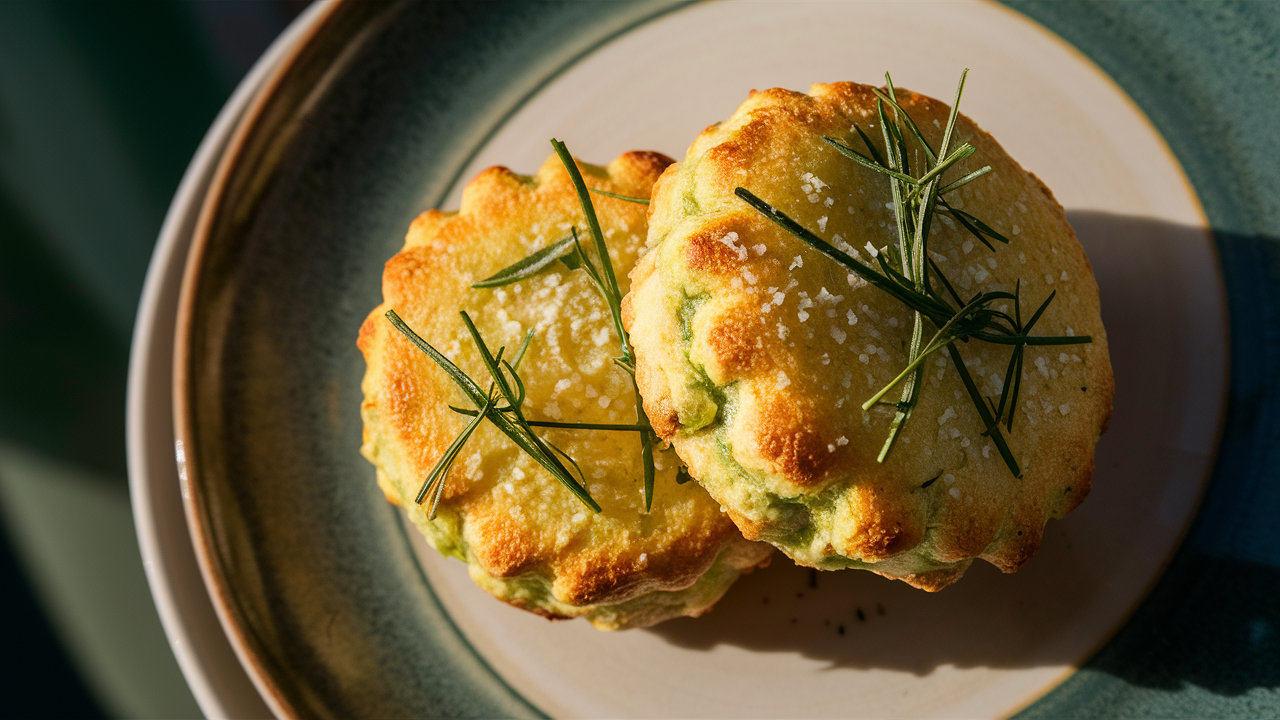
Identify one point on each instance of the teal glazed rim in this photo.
(1207, 640)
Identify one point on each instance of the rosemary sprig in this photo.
(532, 265)
(509, 419)
(613, 298)
(614, 427)
(600, 271)
(908, 254)
(915, 201)
(438, 474)
(628, 198)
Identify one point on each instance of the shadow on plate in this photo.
(1211, 621)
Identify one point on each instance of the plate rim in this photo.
(319, 16)
(221, 687)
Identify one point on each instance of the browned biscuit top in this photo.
(756, 352)
(526, 538)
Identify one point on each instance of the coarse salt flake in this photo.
(826, 297)
(814, 179)
(730, 240)
(1042, 366)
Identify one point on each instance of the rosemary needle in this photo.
(613, 298)
(628, 198)
(916, 199)
(513, 425)
(598, 267)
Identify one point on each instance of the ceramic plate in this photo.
(207, 660)
(328, 599)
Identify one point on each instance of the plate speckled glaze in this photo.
(319, 585)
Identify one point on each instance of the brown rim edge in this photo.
(229, 614)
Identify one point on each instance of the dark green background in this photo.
(102, 105)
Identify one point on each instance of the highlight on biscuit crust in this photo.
(756, 352)
(525, 538)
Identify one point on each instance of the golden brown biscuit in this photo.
(526, 539)
(755, 352)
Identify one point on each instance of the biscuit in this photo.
(526, 539)
(755, 352)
